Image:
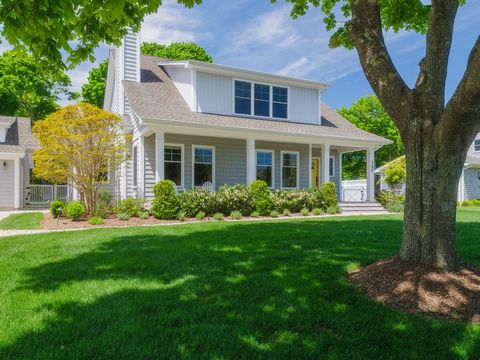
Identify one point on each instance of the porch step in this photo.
(370, 207)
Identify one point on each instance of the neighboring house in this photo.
(469, 184)
(205, 125)
(16, 148)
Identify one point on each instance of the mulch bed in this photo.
(422, 289)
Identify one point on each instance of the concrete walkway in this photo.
(4, 233)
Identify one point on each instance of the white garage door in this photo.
(6, 183)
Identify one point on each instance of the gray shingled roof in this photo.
(19, 136)
(157, 98)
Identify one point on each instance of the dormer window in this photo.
(267, 101)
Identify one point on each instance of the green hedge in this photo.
(229, 198)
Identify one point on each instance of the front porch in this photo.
(200, 158)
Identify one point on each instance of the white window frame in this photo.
(474, 141)
(281, 169)
(331, 169)
(252, 99)
(273, 164)
(182, 159)
(213, 162)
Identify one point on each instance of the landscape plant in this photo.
(123, 216)
(130, 206)
(235, 215)
(200, 215)
(181, 216)
(262, 197)
(229, 198)
(317, 211)
(196, 200)
(55, 206)
(165, 202)
(75, 210)
(304, 212)
(219, 216)
(286, 212)
(95, 220)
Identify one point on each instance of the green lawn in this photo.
(216, 290)
(23, 221)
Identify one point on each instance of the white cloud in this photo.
(294, 67)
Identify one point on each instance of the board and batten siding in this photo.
(6, 184)
(182, 78)
(471, 184)
(215, 96)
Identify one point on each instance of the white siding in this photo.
(183, 80)
(214, 94)
(471, 150)
(304, 105)
(6, 184)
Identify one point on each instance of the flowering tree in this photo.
(80, 143)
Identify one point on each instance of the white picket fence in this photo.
(43, 195)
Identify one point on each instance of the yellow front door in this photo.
(315, 165)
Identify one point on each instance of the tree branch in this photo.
(367, 37)
(433, 67)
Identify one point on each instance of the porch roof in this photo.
(156, 100)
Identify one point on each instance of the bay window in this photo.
(265, 166)
(203, 165)
(261, 100)
(289, 169)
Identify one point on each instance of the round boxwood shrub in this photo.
(55, 206)
(262, 197)
(75, 210)
(165, 203)
(96, 220)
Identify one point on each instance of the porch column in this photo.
(251, 161)
(16, 183)
(325, 168)
(340, 190)
(159, 155)
(370, 175)
(310, 166)
(141, 167)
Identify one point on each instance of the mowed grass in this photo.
(250, 290)
(22, 221)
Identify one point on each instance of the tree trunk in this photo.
(434, 166)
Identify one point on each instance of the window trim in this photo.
(281, 169)
(182, 159)
(252, 100)
(213, 163)
(273, 164)
(331, 170)
(474, 141)
(135, 167)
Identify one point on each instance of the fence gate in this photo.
(43, 195)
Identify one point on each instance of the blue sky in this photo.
(259, 35)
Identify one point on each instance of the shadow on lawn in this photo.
(249, 290)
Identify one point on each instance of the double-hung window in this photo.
(261, 100)
(476, 145)
(289, 169)
(265, 166)
(203, 165)
(173, 164)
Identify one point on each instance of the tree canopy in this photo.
(26, 89)
(367, 113)
(93, 92)
(79, 144)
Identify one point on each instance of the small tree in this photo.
(395, 173)
(79, 144)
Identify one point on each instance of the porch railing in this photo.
(43, 195)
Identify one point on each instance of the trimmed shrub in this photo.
(476, 202)
(294, 200)
(235, 215)
(197, 200)
(304, 212)
(234, 197)
(75, 210)
(262, 197)
(181, 216)
(333, 209)
(55, 206)
(96, 220)
(165, 203)
(287, 212)
(317, 211)
(219, 216)
(255, 214)
(200, 215)
(123, 216)
(130, 206)
(386, 198)
(328, 194)
(274, 213)
(395, 207)
(468, 203)
(144, 215)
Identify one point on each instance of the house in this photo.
(205, 125)
(469, 184)
(16, 148)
